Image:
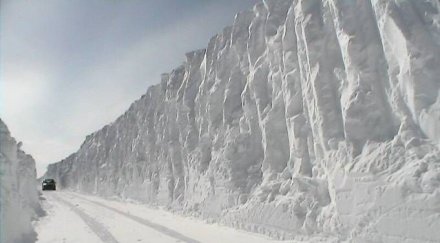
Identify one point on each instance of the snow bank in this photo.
(18, 193)
(304, 118)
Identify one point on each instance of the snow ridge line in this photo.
(94, 225)
(160, 228)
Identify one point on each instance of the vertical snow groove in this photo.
(411, 44)
(368, 115)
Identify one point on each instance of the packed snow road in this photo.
(74, 218)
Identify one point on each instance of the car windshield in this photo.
(48, 180)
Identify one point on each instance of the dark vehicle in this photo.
(49, 184)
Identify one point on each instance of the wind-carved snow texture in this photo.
(18, 193)
(304, 118)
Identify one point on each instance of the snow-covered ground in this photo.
(73, 218)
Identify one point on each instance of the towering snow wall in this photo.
(304, 118)
(18, 192)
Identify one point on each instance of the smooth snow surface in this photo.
(305, 118)
(19, 203)
(73, 218)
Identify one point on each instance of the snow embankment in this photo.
(305, 117)
(18, 192)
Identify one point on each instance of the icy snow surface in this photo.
(305, 118)
(19, 203)
(94, 220)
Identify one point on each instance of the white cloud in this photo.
(22, 89)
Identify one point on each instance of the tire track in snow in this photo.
(160, 228)
(94, 225)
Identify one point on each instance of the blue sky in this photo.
(68, 67)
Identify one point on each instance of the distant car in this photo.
(49, 184)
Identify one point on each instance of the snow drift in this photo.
(304, 118)
(19, 203)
